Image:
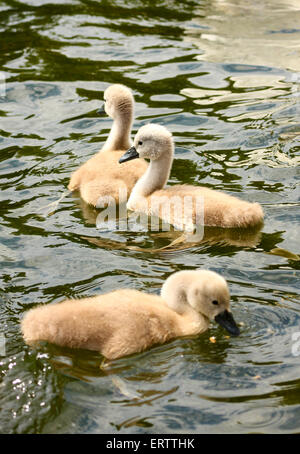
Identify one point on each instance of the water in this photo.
(224, 78)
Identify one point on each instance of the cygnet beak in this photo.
(130, 154)
(101, 110)
(226, 320)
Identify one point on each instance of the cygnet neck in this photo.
(119, 136)
(175, 294)
(156, 175)
(175, 291)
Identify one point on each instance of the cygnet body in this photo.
(101, 179)
(127, 321)
(149, 195)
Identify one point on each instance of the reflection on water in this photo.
(224, 78)
(258, 33)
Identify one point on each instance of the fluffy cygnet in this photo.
(128, 321)
(149, 195)
(101, 176)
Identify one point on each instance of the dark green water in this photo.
(224, 78)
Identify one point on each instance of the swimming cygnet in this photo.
(102, 176)
(129, 321)
(149, 195)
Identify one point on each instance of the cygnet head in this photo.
(210, 296)
(118, 100)
(205, 291)
(152, 141)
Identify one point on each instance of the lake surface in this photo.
(224, 77)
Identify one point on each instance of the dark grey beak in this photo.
(101, 110)
(130, 154)
(226, 320)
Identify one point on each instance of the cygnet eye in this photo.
(140, 142)
(215, 302)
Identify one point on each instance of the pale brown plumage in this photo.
(149, 195)
(128, 321)
(102, 176)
